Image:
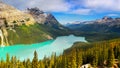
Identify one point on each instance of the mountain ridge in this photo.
(42, 17)
(106, 23)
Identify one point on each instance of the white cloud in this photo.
(98, 5)
(110, 5)
(46, 5)
(112, 15)
(51, 5)
(81, 11)
(84, 7)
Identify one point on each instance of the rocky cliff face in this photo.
(44, 18)
(13, 16)
(38, 15)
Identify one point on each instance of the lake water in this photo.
(43, 49)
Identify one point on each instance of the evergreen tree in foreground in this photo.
(111, 57)
(35, 61)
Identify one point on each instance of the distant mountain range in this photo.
(106, 24)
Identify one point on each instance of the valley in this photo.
(98, 30)
(33, 37)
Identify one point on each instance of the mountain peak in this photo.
(35, 11)
(107, 18)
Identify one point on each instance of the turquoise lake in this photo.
(46, 48)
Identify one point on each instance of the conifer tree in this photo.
(41, 64)
(73, 58)
(2, 63)
(28, 63)
(21, 65)
(79, 59)
(35, 61)
(7, 61)
(95, 60)
(52, 61)
(111, 57)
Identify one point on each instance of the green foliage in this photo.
(35, 61)
(27, 35)
(28, 63)
(33, 34)
(97, 53)
(55, 32)
(111, 57)
(97, 36)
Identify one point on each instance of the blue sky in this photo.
(68, 11)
